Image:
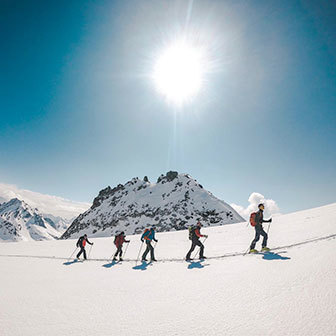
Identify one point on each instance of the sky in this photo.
(80, 110)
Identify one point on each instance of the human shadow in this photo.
(75, 261)
(196, 264)
(111, 264)
(274, 256)
(143, 266)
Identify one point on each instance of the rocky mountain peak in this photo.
(173, 203)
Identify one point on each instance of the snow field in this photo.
(290, 292)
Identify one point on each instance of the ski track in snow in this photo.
(226, 255)
(268, 294)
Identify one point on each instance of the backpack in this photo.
(191, 230)
(252, 219)
(145, 233)
(116, 238)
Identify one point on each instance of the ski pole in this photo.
(72, 253)
(136, 262)
(112, 256)
(126, 249)
(246, 251)
(200, 247)
(90, 252)
(269, 225)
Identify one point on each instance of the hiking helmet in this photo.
(85, 235)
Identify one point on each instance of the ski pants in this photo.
(119, 251)
(194, 243)
(82, 250)
(259, 232)
(149, 248)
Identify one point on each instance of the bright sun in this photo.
(178, 72)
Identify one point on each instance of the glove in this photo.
(270, 220)
(142, 240)
(156, 240)
(206, 236)
(91, 243)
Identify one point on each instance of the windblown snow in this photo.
(290, 291)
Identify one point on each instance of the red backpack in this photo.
(252, 219)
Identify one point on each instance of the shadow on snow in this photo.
(196, 264)
(275, 256)
(143, 266)
(75, 261)
(109, 265)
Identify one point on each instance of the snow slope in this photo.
(288, 292)
(173, 203)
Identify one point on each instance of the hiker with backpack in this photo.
(81, 242)
(148, 236)
(256, 220)
(119, 240)
(194, 236)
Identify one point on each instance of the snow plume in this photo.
(46, 204)
(271, 208)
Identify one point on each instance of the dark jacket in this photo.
(81, 242)
(196, 235)
(259, 218)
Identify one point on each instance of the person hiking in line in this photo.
(81, 242)
(119, 240)
(194, 236)
(259, 231)
(148, 236)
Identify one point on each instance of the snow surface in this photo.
(288, 292)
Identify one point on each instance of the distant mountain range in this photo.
(174, 202)
(47, 204)
(19, 221)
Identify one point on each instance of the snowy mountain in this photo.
(47, 204)
(57, 222)
(19, 221)
(173, 203)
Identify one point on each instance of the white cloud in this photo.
(271, 208)
(46, 204)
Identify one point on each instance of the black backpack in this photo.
(191, 232)
(80, 241)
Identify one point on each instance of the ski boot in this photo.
(253, 251)
(265, 249)
(121, 259)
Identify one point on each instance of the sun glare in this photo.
(178, 72)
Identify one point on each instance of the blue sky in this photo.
(79, 109)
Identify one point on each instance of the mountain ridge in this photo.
(174, 202)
